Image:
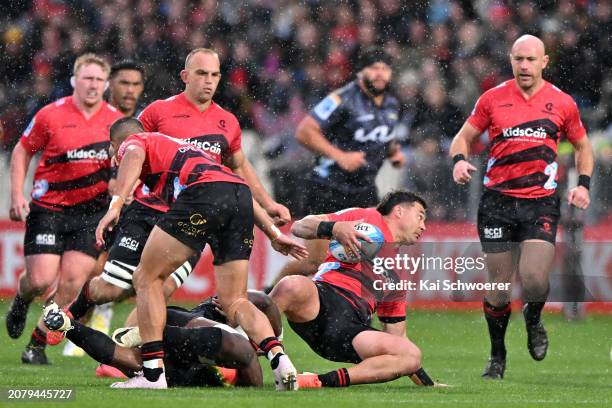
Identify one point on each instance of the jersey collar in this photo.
(183, 99)
(534, 96)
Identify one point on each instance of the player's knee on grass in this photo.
(411, 359)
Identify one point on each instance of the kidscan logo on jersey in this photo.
(79, 154)
(539, 133)
(214, 148)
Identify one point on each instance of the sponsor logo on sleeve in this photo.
(327, 106)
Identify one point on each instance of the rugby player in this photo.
(352, 131)
(126, 86)
(519, 211)
(194, 116)
(332, 312)
(68, 199)
(193, 341)
(208, 204)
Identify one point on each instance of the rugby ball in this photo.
(368, 249)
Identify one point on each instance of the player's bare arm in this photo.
(127, 177)
(280, 242)
(20, 160)
(309, 134)
(396, 156)
(241, 166)
(579, 195)
(318, 226)
(461, 146)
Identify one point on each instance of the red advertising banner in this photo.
(265, 263)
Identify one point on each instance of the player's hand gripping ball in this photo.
(368, 251)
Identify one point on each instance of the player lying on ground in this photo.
(332, 312)
(208, 205)
(194, 345)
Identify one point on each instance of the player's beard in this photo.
(369, 85)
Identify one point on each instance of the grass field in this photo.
(576, 372)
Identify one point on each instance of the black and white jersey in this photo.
(351, 121)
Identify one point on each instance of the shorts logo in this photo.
(197, 219)
(539, 133)
(493, 232)
(45, 239)
(248, 242)
(129, 243)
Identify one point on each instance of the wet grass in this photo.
(576, 372)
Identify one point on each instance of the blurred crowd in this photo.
(280, 57)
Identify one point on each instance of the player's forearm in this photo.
(129, 172)
(584, 157)
(264, 223)
(462, 141)
(309, 135)
(307, 227)
(20, 161)
(247, 171)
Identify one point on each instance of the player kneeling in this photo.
(332, 312)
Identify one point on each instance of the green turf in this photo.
(576, 372)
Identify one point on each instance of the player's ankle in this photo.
(152, 360)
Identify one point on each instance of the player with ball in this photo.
(332, 312)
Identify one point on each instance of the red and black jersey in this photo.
(74, 169)
(215, 130)
(524, 135)
(356, 281)
(171, 165)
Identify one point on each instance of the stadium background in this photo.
(281, 57)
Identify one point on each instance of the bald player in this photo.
(519, 209)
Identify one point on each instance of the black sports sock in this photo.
(152, 360)
(497, 319)
(420, 377)
(532, 312)
(38, 339)
(192, 343)
(336, 378)
(96, 344)
(82, 304)
(267, 345)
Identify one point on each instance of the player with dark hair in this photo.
(519, 211)
(209, 204)
(194, 340)
(192, 116)
(352, 131)
(127, 80)
(68, 199)
(332, 312)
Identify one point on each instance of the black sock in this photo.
(82, 304)
(96, 344)
(420, 377)
(38, 339)
(497, 319)
(532, 312)
(336, 378)
(152, 360)
(268, 344)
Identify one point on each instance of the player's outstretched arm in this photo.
(20, 161)
(280, 242)
(579, 195)
(243, 167)
(318, 227)
(459, 150)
